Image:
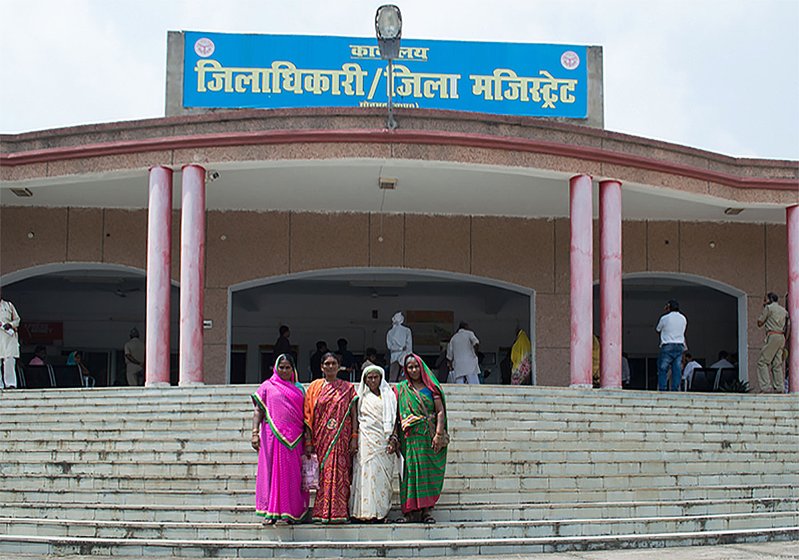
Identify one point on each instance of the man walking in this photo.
(770, 372)
(9, 343)
(462, 354)
(672, 344)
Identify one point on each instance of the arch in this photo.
(739, 295)
(332, 273)
(75, 294)
(50, 268)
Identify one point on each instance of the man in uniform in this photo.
(770, 371)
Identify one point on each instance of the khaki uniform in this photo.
(770, 363)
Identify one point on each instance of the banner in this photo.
(284, 71)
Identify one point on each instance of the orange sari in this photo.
(327, 412)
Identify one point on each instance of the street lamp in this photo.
(388, 28)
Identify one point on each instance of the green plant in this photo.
(735, 386)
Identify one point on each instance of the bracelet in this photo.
(354, 435)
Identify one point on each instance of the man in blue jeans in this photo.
(672, 344)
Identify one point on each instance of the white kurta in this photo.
(9, 340)
(373, 467)
(399, 341)
(460, 352)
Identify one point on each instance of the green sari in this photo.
(424, 469)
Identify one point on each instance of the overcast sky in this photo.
(721, 75)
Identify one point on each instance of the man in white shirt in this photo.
(462, 355)
(134, 359)
(688, 369)
(672, 344)
(9, 343)
(399, 341)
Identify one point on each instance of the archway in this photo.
(716, 313)
(85, 306)
(357, 304)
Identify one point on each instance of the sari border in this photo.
(420, 503)
(281, 516)
(338, 433)
(291, 445)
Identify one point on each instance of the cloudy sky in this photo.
(721, 75)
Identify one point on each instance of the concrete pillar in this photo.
(610, 284)
(159, 268)
(792, 220)
(581, 273)
(192, 275)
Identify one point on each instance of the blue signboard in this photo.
(280, 71)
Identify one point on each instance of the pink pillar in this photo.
(192, 275)
(610, 284)
(159, 267)
(581, 261)
(792, 219)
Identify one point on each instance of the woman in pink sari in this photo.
(277, 432)
(331, 412)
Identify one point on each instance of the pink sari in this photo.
(278, 486)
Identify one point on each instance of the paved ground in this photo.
(759, 551)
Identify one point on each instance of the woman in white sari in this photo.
(373, 467)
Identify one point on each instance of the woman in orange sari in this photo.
(331, 413)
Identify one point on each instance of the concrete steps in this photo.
(415, 548)
(532, 511)
(169, 472)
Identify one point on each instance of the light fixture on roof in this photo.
(733, 211)
(387, 183)
(212, 175)
(388, 28)
(22, 193)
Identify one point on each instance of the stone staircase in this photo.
(169, 472)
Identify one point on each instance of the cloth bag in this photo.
(310, 472)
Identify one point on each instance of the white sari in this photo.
(373, 467)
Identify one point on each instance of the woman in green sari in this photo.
(424, 440)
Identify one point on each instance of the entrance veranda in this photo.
(89, 307)
(357, 304)
(716, 313)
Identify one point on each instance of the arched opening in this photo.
(83, 306)
(716, 314)
(357, 305)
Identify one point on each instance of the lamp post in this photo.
(388, 28)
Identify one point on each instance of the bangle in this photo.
(354, 435)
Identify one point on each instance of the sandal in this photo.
(268, 522)
(428, 519)
(402, 519)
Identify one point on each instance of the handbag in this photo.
(310, 472)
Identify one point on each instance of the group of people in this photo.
(355, 437)
(674, 358)
(459, 361)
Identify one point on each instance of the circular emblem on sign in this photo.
(332, 424)
(204, 47)
(570, 60)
